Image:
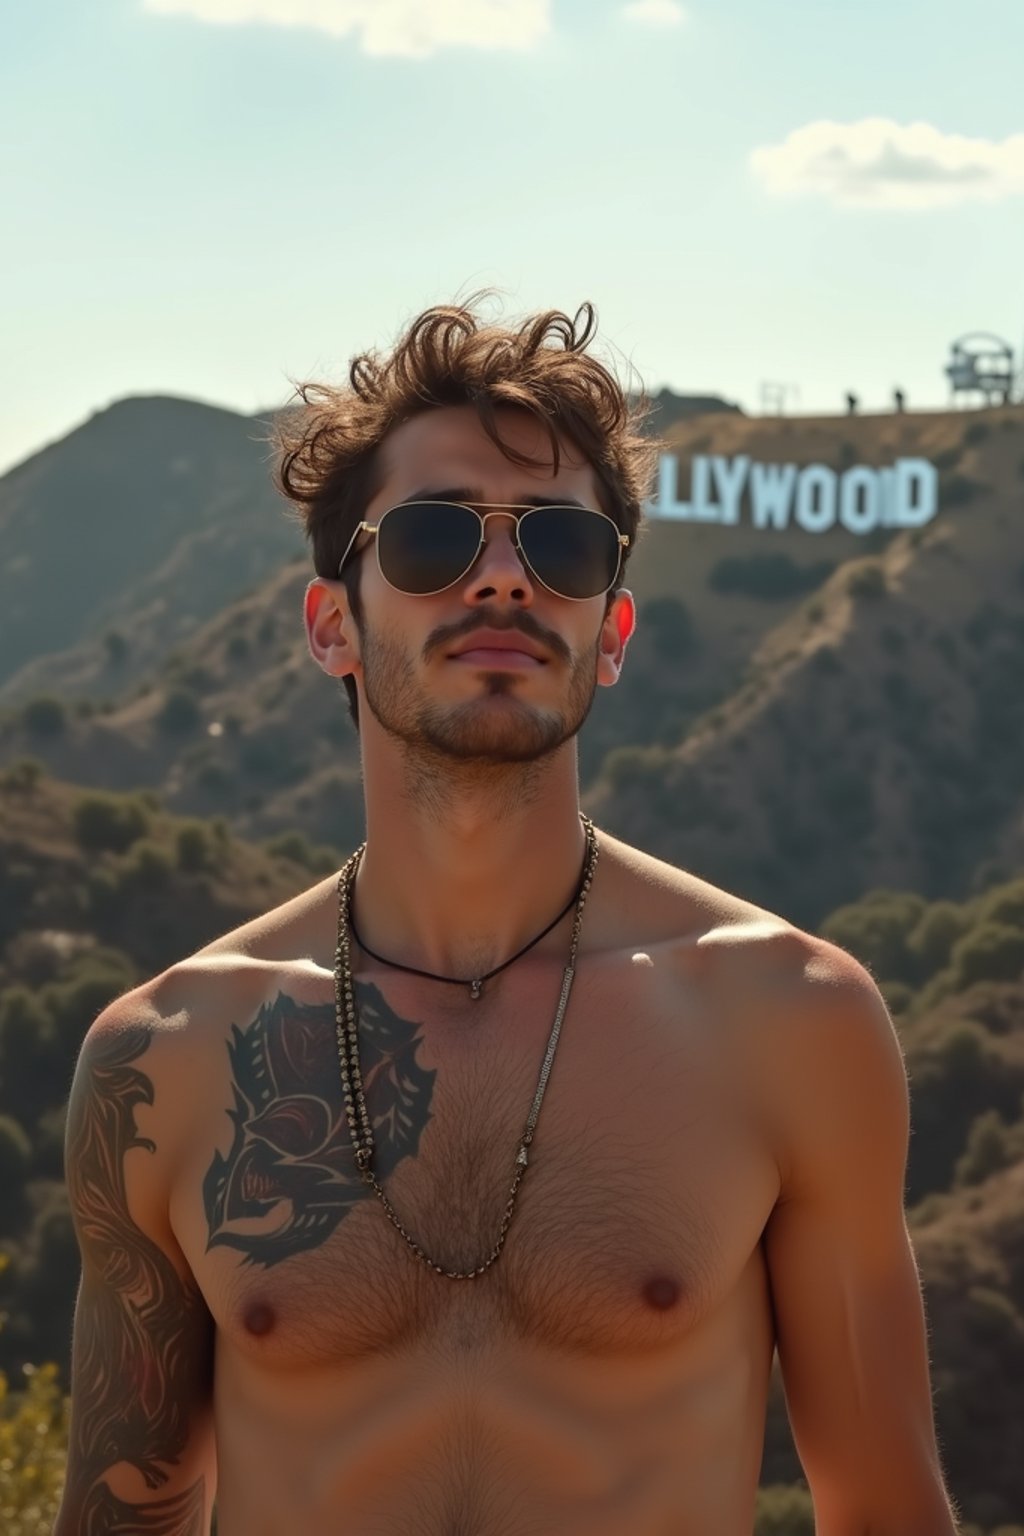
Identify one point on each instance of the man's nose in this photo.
(499, 573)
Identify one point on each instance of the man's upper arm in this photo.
(847, 1298)
(140, 1456)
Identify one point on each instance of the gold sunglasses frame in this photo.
(495, 509)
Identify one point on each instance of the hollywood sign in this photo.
(814, 498)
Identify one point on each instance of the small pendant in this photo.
(474, 990)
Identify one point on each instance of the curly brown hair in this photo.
(328, 460)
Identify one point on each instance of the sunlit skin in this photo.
(717, 1171)
(444, 813)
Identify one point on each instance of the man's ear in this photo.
(331, 631)
(619, 624)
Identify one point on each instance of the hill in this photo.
(873, 734)
(802, 716)
(123, 536)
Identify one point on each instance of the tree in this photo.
(180, 714)
(15, 1158)
(108, 822)
(45, 717)
(33, 1438)
(784, 1512)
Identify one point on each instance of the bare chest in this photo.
(647, 1187)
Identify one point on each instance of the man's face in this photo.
(418, 681)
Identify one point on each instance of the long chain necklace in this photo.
(356, 1111)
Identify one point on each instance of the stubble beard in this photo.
(480, 735)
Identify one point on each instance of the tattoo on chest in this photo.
(291, 1164)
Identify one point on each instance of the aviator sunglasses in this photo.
(425, 547)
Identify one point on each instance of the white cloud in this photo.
(655, 13)
(878, 163)
(402, 28)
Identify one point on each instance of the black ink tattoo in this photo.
(105, 1515)
(143, 1346)
(292, 1152)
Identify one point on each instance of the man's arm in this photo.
(140, 1457)
(850, 1320)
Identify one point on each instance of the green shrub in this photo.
(827, 661)
(220, 831)
(931, 942)
(23, 776)
(96, 977)
(628, 768)
(897, 995)
(784, 1512)
(876, 929)
(148, 868)
(108, 823)
(867, 580)
(671, 627)
(33, 1441)
(194, 843)
(180, 713)
(1003, 904)
(214, 777)
(977, 432)
(959, 490)
(45, 717)
(291, 845)
(991, 1146)
(770, 577)
(15, 1160)
(116, 647)
(198, 679)
(28, 1054)
(991, 951)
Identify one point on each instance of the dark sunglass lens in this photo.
(571, 550)
(425, 546)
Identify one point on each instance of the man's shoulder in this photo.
(723, 932)
(184, 1007)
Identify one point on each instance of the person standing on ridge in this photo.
(470, 1192)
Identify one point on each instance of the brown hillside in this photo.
(875, 735)
(123, 536)
(800, 746)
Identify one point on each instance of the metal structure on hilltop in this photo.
(775, 396)
(981, 363)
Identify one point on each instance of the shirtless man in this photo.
(574, 1335)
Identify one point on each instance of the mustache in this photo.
(522, 621)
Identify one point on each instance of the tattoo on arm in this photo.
(292, 1150)
(105, 1515)
(143, 1350)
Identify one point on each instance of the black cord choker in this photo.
(475, 984)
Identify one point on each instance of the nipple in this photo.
(661, 1292)
(258, 1318)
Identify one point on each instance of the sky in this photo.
(219, 198)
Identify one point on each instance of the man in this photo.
(470, 1193)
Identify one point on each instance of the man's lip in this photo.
(486, 640)
(503, 657)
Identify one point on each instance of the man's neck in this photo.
(456, 883)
